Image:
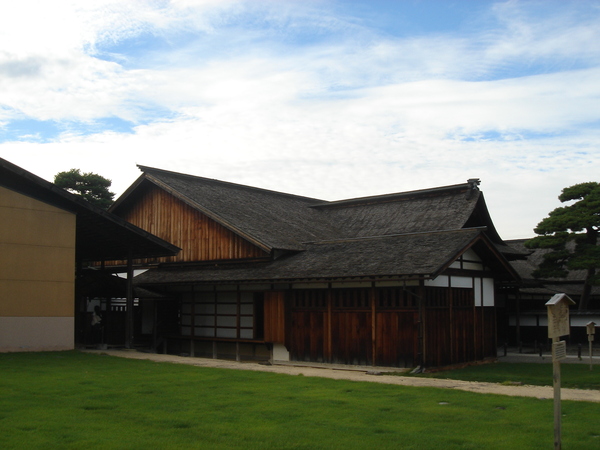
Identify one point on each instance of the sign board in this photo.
(591, 330)
(559, 350)
(558, 315)
(558, 325)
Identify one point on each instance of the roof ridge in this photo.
(366, 238)
(147, 169)
(397, 196)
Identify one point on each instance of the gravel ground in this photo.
(369, 374)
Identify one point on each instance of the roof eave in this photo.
(483, 238)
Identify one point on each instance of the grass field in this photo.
(77, 400)
(576, 376)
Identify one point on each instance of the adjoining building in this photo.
(402, 279)
(47, 236)
(523, 319)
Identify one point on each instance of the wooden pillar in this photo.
(475, 280)
(129, 303)
(193, 324)
(495, 325)
(238, 312)
(422, 326)
(328, 343)
(452, 328)
(154, 325)
(372, 298)
(483, 324)
(518, 319)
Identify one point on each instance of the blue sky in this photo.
(328, 99)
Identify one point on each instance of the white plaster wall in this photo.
(29, 334)
(488, 292)
(484, 292)
(441, 281)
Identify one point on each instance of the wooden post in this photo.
(328, 336)
(557, 401)
(518, 319)
(372, 297)
(193, 324)
(453, 351)
(591, 330)
(155, 326)
(558, 325)
(129, 304)
(422, 341)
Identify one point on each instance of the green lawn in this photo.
(79, 400)
(577, 376)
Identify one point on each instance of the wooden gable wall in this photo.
(199, 237)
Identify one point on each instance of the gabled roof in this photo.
(100, 235)
(414, 255)
(270, 220)
(274, 220)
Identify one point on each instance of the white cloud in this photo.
(354, 114)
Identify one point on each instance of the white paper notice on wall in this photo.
(559, 351)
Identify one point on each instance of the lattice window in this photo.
(463, 297)
(396, 298)
(436, 297)
(351, 298)
(218, 314)
(309, 299)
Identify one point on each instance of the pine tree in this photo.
(91, 186)
(578, 222)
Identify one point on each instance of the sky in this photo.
(330, 99)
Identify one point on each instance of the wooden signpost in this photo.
(591, 330)
(558, 325)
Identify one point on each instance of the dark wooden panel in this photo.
(274, 325)
(351, 337)
(396, 338)
(462, 335)
(307, 336)
(437, 348)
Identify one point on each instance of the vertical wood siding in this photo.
(199, 237)
(274, 326)
(338, 326)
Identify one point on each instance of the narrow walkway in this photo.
(369, 374)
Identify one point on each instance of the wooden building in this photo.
(395, 280)
(523, 314)
(46, 237)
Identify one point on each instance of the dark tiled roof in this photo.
(534, 258)
(416, 254)
(274, 219)
(405, 234)
(448, 209)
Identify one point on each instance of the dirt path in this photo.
(365, 374)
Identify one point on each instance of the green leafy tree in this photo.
(91, 186)
(571, 233)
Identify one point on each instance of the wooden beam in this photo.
(372, 297)
(129, 303)
(328, 341)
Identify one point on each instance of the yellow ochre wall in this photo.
(37, 274)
